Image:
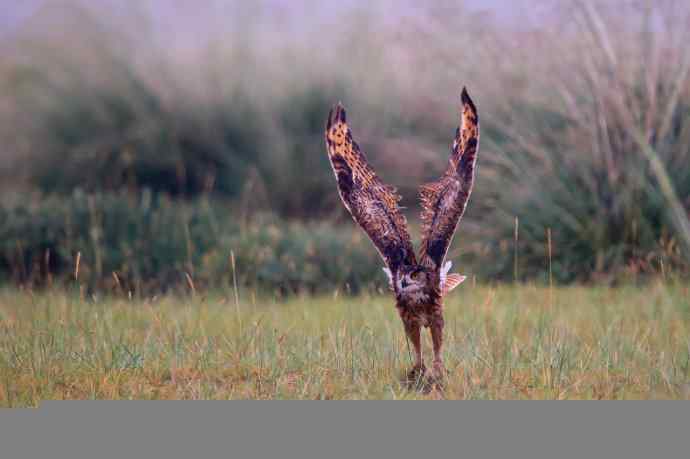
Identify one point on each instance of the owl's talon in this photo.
(439, 372)
(416, 374)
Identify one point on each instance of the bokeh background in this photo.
(152, 139)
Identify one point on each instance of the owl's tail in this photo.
(449, 281)
(452, 281)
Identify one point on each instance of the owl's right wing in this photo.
(372, 204)
(444, 201)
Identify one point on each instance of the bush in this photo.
(151, 242)
(587, 153)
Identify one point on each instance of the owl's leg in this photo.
(413, 331)
(437, 339)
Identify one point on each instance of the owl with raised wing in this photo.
(419, 283)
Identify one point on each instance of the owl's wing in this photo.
(444, 201)
(373, 205)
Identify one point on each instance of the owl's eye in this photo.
(415, 275)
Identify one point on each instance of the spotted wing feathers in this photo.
(373, 205)
(444, 201)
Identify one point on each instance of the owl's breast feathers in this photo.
(419, 306)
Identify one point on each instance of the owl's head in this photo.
(414, 279)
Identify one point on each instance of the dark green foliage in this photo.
(607, 219)
(149, 242)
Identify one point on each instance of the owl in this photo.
(419, 283)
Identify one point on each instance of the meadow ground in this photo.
(521, 341)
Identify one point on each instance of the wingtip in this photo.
(340, 114)
(467, 102)
(336, 114)
(465, 97)
(329, 120)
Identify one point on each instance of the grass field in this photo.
(502, 342)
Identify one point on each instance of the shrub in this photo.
(151, 242)
(587, 150)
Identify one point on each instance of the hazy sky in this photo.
(185, 12)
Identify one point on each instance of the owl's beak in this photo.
(404, 283)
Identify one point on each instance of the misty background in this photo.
(153, 139)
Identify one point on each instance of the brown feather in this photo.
(444, 201)
(373, 205)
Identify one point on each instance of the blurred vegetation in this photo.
(153, 243)
(177, 158)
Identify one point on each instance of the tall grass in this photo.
(505, 342)
(597, 146)
(585, 120)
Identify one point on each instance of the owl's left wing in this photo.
(444, 201)
(373, 205)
